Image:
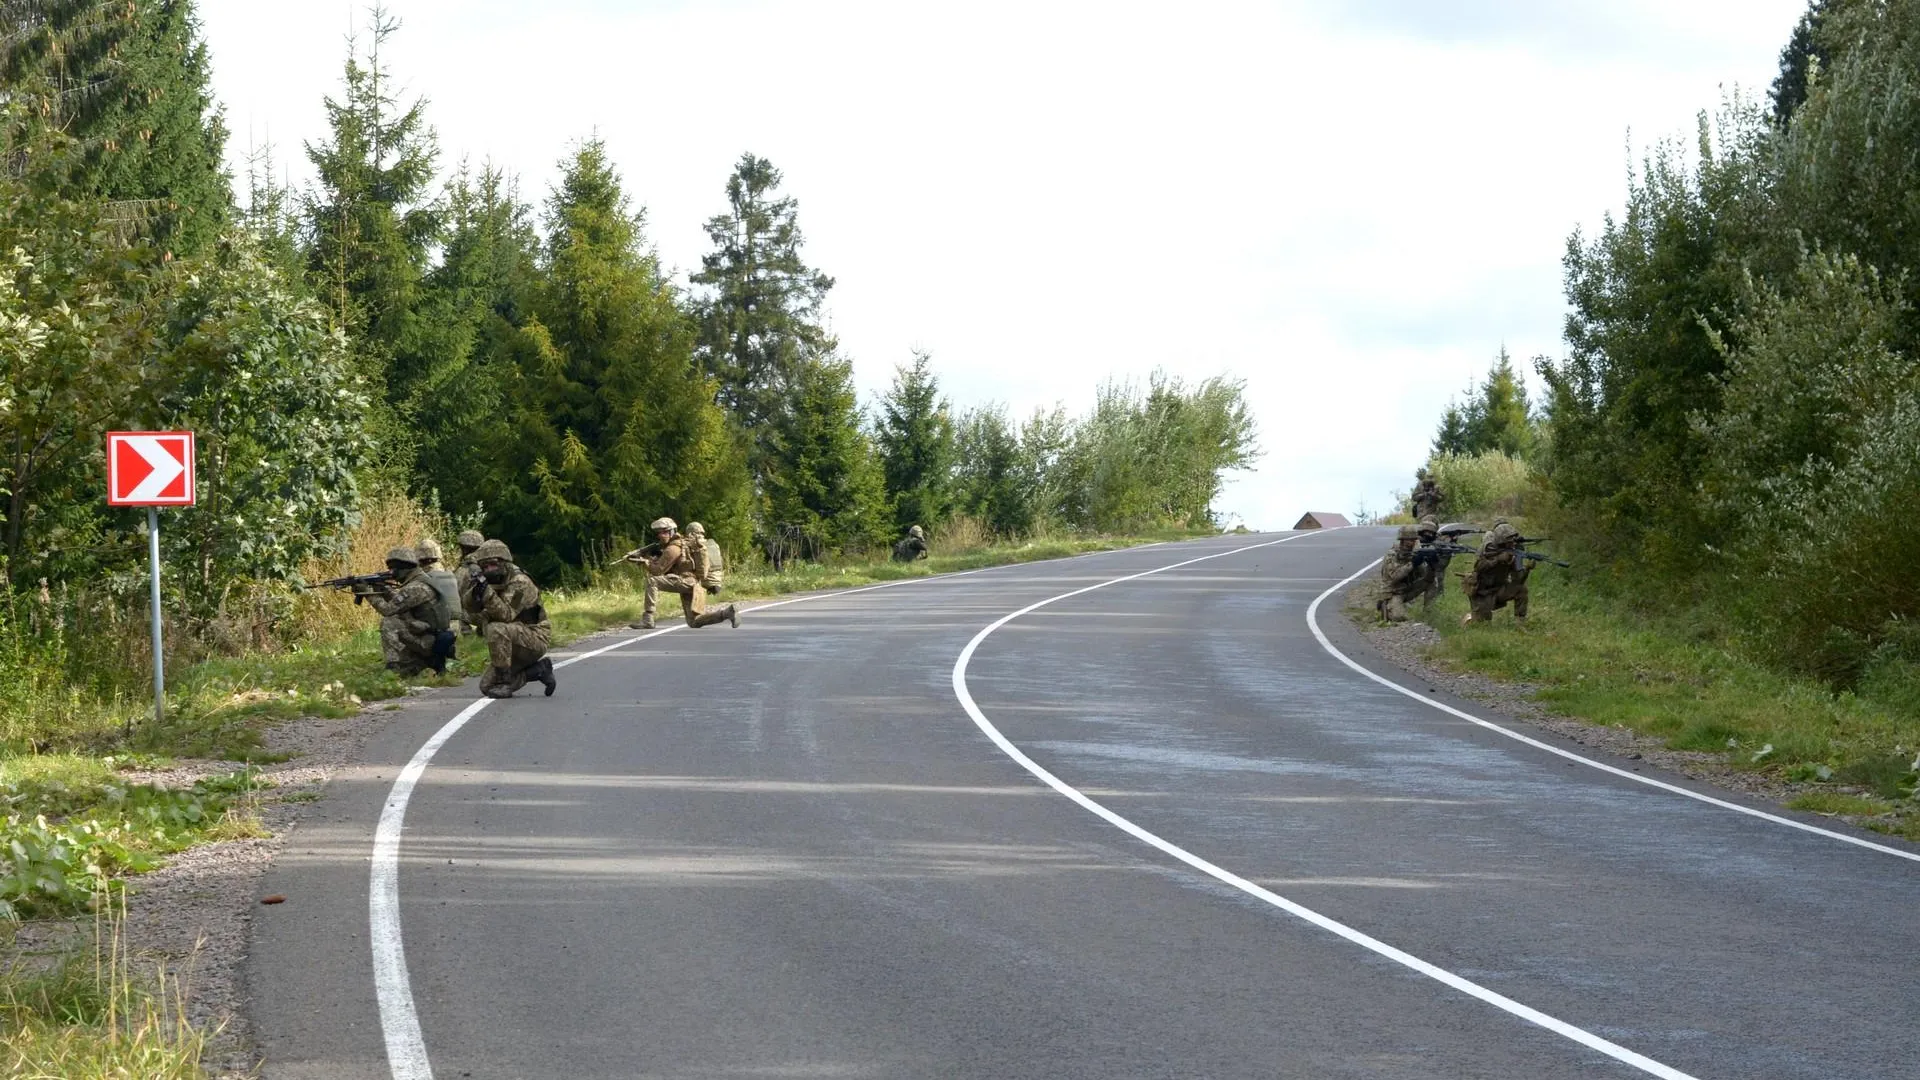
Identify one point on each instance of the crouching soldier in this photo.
(912, 546)
(517, 630)
(413, 626)
(1403, 578)
(1499, 577)
(708, 564)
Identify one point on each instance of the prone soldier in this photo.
(912, 546)
(517, 629)
(670, 566)
(412, 625)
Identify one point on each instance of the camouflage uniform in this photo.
(708, 564)
(1427, 497)
(675, 570)
(1498, 577)
(470, 542)
(445, 586)
(1439, 561)
(914, 546)
(1401, 579)
(517, 629)
(409, 618)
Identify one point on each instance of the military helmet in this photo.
(403, 555)
(1429, 524)
(662, 523)
(1409, 532)
(917, 533)
(1502, 533)
(470, 538)
(694, 528)
(493, 549)
(429, 549)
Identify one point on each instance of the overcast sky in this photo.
(1350, 205)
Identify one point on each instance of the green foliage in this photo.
(606, 420)
(1495, 417)
(915, 439)
(1157, 458)
(822, 474)
(1483, 485)
(995, 480)
(126, 89)
(759, 315)
(1804, 55)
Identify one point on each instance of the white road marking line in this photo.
(393, 990)
(1441, 975)
(1313, 624)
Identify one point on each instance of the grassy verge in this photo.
(1679, 678)
(84, 1013)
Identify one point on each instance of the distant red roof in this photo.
(1315, 519)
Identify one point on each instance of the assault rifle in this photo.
(1455, 532)
(1430, 553)
(1535, 556)
(648, 552)
(383, 579)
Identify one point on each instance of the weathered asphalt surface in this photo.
(785, 851)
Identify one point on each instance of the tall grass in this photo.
(1485, 485)
(93, 1015)
(386, 522)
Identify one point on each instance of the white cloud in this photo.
(1352, 206)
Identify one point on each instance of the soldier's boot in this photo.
(733, 615)
(439, 665)
(499, 684)
(645, 623)
(542, 672)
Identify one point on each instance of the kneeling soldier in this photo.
(517, 629)
(411, 620)
(1402, 577)
(670, 567)
(1499, 577)
(912, 546)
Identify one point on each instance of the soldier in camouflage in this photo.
(517, 629)
(1427, 497)
(708, 564)
(1498, 577)
(913, 546)
(470, 541)
(445, 585)
(1402, 579)
(1439, 561)
(410, 617)
(670, 566)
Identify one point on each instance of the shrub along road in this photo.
(788, 850)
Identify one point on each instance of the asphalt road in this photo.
(787, 851)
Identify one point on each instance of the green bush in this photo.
(1485, 484)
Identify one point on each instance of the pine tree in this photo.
(125, 89)
(760, 316)
(369, 221)
(915, 439)
(1502, 418)
(822, 475)
(993, 482)
(1803, 54)
(605, 418)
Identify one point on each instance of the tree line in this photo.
(1736, 421)
(401, 325)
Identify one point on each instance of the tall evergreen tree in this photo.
(127, 87)
(915, 439)
(1804, 52)
(993, 484)
(605, 420)
(822, 474)
(760, 315)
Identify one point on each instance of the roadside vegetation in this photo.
(1729, 451)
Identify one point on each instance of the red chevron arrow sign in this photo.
(150, 468)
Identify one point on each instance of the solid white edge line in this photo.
(1313, 624)
(1374, 945)
(393, 990)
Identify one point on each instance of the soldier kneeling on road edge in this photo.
(671, 566)
(413, 626)
(1402, 577)
(517, 630)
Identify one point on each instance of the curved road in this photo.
(791, 851)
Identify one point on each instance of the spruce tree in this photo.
(915, 439)
(605, 419)
(125, 89)
(760, 315)
(822, 475)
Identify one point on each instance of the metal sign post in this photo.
(152, 469)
